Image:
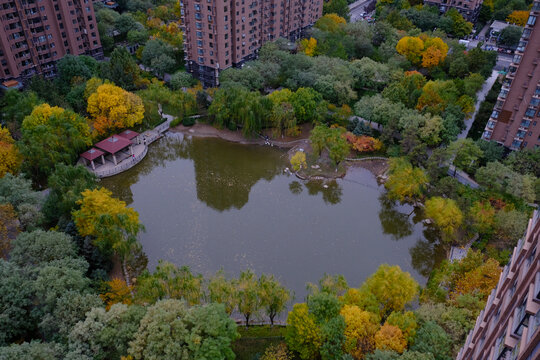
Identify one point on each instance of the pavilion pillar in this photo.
(131, 149)
(93, 166)
(114, 159)
(103, 159)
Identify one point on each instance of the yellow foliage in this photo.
(98, 203)
(390, 337)
(410, 47)
(117, 292)
(435, 52)
(303, 334)
(518, 17)
(40, 115)
(479, 281)
(298, 161)
(308, 46)
(92, 85)
(359, 332)
(112, 108)
(10, 159)
(445, 213)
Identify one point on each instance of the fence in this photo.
(126, 165)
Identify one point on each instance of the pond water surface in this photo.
(211, 204)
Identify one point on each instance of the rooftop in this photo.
(113, 144)
(92, 154)
(128, 134)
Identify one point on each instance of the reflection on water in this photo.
(211, 204)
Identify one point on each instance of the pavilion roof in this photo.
(92, 154)
(128, 134)
(113, 144)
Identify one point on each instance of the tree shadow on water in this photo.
(331, 191)
(394, 222)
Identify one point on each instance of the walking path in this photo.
(480, 96)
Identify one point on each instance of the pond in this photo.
(212, 204)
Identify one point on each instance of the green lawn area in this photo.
(254, 340)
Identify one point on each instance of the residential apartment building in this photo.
(34, 34)
(469, 9)
(509, 326)
(219, 34)
(514, 120)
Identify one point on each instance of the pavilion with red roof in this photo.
(130, 135)
(114, 145)
(93, 154)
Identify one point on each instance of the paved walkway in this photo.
(480, 96)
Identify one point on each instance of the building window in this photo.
(197, 7)
(517, 59)
(525, 123)
(209, 17)
(529, 113)
(495, 114)
(199, 34)
(198, 25)
(201, 60)
(198, 16)
(532, 20)
(199, 43)
(534, 102)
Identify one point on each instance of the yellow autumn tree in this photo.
(435, 51)
(359, 331)
(390, 338)
(411, 47)
(479, 281)
(445, 213)
(117, 291)
(308, 46)
(113, 225)
(303, 334)
(330, 23)
(518, 17)
(298, 161)
(113, 108)
(40, 115)
(10, 159)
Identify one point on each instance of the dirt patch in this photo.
(205, 130)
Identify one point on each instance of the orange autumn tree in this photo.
(113, 108)
(10, 160)
(117, 291)
(390, 338)
(518, 17)
(435, 51)
(363, 143)
(360, 330)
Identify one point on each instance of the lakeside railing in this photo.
(123, 166)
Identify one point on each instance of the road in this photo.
(357, 8)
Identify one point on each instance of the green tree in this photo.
(40, 247)
(510, 226)
(338, 146)
(222, 291)
(17, 105)
(169, 282)
(15, 303)
(122, 69)
(318, 138)
(333, 336)
(307, 105)
(105, 334)
(339, 7)
(159, 56)
(52, 136)
(17, 191)
(66, 184)
(182, 79)
(273, 296)
(391, 287)
(406, 321)
(248, 292)
(34, 350)
(466, 154)
(510, 36)
(431, 338)
(200, 332)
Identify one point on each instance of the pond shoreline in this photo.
(377, 166)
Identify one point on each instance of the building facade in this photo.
(219, 34)
(35, 34)
(514, 120)
(469, 9)
(509, 326)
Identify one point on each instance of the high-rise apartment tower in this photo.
(509, 326)
(34, 34)
(514, 120)
(219, 34)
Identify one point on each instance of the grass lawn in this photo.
(254, 340)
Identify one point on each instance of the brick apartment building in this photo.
(469, 9)
(35, 34)
(514, 120)
(219, 34)
(509, 326)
